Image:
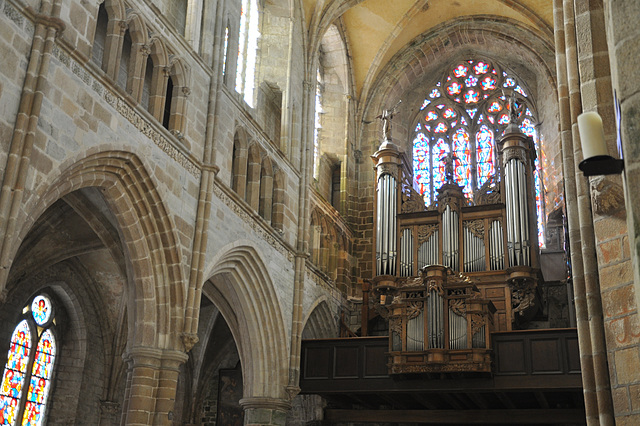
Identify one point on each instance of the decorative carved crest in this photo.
(476, 227)
(458, 307)
(434, 285)
(477, 322)
(412, 201)
(425, 232)
(414, 309)
(388, 169)
(522, 296)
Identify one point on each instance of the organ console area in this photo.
(449, 276)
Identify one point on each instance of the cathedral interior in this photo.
(319, 212)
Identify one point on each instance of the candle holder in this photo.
(601, 165)
(597, 160)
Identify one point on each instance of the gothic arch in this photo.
(154, 273)
(241, 288)
(320, 322)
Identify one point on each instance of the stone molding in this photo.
(265, 402)
(128, 112)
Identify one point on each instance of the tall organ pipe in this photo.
(518, 237)
(386, 229)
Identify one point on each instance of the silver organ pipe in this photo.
(517, 213)
(457, 331)
(496, 247)
(478, 340)
(386, 225)
(415, 333)
(406, 253)
(435, 323)
(474, 252)
(428, 251)
(450, 238)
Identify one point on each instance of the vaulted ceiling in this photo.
(376, 30)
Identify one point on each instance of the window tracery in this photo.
(26, 380)
(464, 114)
(247, 50)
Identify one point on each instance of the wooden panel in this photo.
(495, 293)
(510, 357)
(317, 363)
(346, 362)
(546, 356)
(573, 354)
(375, 361)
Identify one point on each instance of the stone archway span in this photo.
(317, 324)
(241, 288)
(156, 295)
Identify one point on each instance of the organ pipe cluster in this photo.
(387, 208)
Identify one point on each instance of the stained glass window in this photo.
(27, 366)
(470, 111)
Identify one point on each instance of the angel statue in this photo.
(448, 160)
(386, 117)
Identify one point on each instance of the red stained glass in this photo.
(439, 150)
(449, 113)
(421, 168)
(504, 119)
(425, 104)
(435, 93)
(484, 154)
(454, 89)
(440, 128)
(488, 83)
(460, 71)
(520, 90)
(462, 170)
(471, 96)
(431, 115)
(481, 68)
(495, 107)
(509, 82)
(471, 81)
(472, 112)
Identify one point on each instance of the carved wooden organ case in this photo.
(448, 276)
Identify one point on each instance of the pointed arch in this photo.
(176, 93)
(266, 189)
(153, 253)
(132, 63)
(254, 167)
(155, 81)
(239, 162)
(320, 322)
(241, 287)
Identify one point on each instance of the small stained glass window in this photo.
(26, 380)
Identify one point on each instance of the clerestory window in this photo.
(247, 50)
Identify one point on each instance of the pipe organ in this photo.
(463, 268)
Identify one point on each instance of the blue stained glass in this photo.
(462, 170)
(471, 81)
(431, 115)
(484, 154)
(421, 165)
(491, 119)
(460, 71)
(440, 128)
(520, 90)
(440, 106)
(438, 151)
(418, 127)
(481, 68)
(454, 89)
(528, 128)
(528, 112)
(472, 112)
(495, 107)
(454, 124)
(488, 83)
(449, 113)
(471, 96)
(504, 119)
(538, 186)
(425, 104)
(509, 82)
(463, 121)
(41, 309)
(435, 93)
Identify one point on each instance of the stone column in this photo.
(263, 411)
(151, 386)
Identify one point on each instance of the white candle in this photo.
(591, 135)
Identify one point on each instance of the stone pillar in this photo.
(151, 386)
(264, 411)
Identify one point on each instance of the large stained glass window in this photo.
(26, 380)
(465, 113)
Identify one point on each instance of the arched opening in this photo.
(100, 37)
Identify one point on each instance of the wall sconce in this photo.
(597, 160)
